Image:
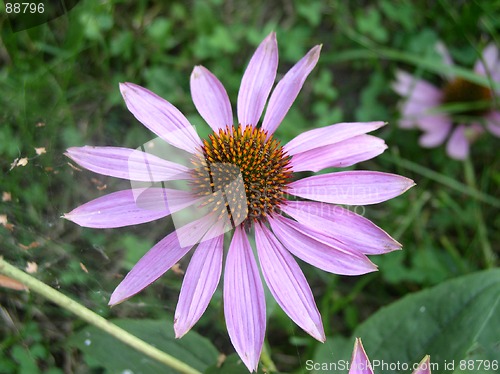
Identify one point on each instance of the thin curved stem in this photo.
(445, 180)
(87, 315)
(266, 359)
(489, 255)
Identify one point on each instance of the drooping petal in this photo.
(329, 135)
(416, 89)
(127, 163)
(287, 89)
(436, 135)
(210, 98)
(300, 241)
(339, 223)
(257, 81)
(161, 117)
(458, 144)
(435, 121)
(360, 364)
(165, 254)
(489, 65)
(199, 284)
(493, 123)
(406, 123)
(342, 154)
(422, 114)
(244, 302)
(356, 187)
(417, 110)
(414, 109)
(446, 59)
(424, 367)
(130, 207)
(287, 283)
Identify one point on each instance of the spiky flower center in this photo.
(475, 98)
(248, 168)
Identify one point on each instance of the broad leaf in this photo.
(232, 364)
(447, 322)
(103, 350)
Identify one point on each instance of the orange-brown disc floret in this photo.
(248, 153)
(459, 90)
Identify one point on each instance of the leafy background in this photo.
(59, 83)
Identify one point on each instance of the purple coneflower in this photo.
(241, 177)
(360, 364)
(471, 103)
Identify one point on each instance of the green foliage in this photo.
(421, 324)
(231, 365)
(103, 351)
(24, 352)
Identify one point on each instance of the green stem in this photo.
(87, 315)
(373, 51)
(468, 189)
(267, 361)
(470, 179)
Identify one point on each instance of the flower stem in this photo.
(93, 318)
(470, 179)
(467, 189)
(266, 359)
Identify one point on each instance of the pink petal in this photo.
(127, 163)
(346, 226)
(436, 135)
(424, 367)
(130, 207)
(493, 123)
(406, 123)
(360, 364)
(244, 302)
(342, 154)
(287, 90)
(491, 59)
(458, 145)
(329, 135)
(150, 267)
(416, 108)
(257, 81)
(161, 117)
(413, 88)
(287, 283)
(434, 122)
(421, 98)
(419, 114)
(201, 229)
(200, 282)
(210, 98)
(357, 187)
(300, 241)
(444, 53)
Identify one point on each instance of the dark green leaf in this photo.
(103, 350)
(231, 365)
(447, 322)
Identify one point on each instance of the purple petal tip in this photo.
(115, 300)
(125, 86)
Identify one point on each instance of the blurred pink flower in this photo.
(243, 175)
(360, 364)
(423, 100)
